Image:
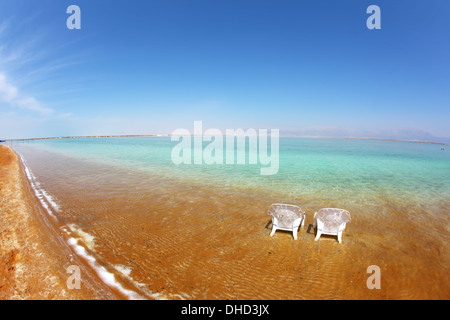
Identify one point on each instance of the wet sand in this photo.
(170, 240)
(33, 256)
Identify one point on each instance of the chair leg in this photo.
(340, 237)
(340, 230)
(319, 229)
(317, 235)
(273, 231)
(274, 226)
(294, 233)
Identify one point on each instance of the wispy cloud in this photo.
(31, 64)
(33, 104)
(7, 91)
(11, 95)
(14, 54)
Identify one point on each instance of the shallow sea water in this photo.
(202, 231)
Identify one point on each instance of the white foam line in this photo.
(50, 200)
(41, 194)
(37, 185)
(87, 238)
(125, 271)
(105, 275)
(46, 199)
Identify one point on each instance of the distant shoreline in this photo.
(169, 135)
(394, 140)
(91, 137)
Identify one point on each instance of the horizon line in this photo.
(170, 135)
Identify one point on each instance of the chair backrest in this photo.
(285, 213)
(333, 217)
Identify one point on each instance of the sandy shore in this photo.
(33, 258)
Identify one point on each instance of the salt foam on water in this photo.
(47, 201)
(87, 238)
(106, 276)
(51, 206)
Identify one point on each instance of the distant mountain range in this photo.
(384, 134)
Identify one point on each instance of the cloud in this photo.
(32, 104)
(7, 92)
(23, 62)
(11, 95)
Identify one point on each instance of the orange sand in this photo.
(33, 256)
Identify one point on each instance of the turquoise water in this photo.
(200, 231)
(307, 167)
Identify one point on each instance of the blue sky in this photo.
(309, 68)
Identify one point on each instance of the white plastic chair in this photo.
(286, 217)
(331, 221)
